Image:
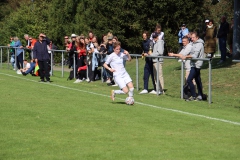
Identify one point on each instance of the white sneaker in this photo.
(153, 92)
(115, 85)
(83, 79)
(108, 81)
(144, 91)
(78, 81)
(87, 80)
(19, 72)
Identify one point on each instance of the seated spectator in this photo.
(26, 64)
(30, 69)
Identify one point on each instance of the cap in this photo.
(206, 21)
(183, 24)
(154, 35)
(110, 37)
(73, 35)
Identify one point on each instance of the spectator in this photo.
(12, 53)
(182, 33)
(31, 69)
(41, 56)
(230, 38)
(158, 50)
(210, 39)
(91, 68)
(115, 60)
(81, 60)
(28, 44)
(19, 52)
(222, 38)
(26, 64)
(66, 42)
(196, 52)
(204, 28)
(90, 36)
(148, 68)
(186, 50)
(158, 29)
(71, 49)
(52, 46)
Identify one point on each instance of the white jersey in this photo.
(116, 63)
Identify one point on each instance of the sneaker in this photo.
(191, 99)
(77, 81)
(220, 62)
(199, 98)
(41, 80)
(153, 92)
(112, 95)
(144, 91)
(48, 82)
(83, 79)
(88, 80)
(114, 85)
(108, 81)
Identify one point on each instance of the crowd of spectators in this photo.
(89, 54)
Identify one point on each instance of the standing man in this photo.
(158, 50)
(187, 47)
(182, 33)
(222, 39)
(28, 44)
(148, 68)
(196, 52)
(41, 56)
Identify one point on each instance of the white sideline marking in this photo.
(144, 104)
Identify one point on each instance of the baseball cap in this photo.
(206, 21)
(154, 35)
(73, 35)
(183, 24)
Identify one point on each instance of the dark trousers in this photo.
(44, 69)
(222, 47)
(20, 61)
(195, 74)
(148, 71)
(82, 74)
(91, 73)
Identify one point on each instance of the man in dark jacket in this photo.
(222, 38)
(41, 56)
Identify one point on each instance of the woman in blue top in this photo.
(18, 52)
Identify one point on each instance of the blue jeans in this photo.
(222, 47)
(32, 67)
(195, 74)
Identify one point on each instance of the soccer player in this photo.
(121, 77)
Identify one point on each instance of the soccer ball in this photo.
(129, 101)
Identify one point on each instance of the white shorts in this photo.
(122, 80)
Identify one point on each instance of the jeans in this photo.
(222, 47)
(32, 67)
(20, 61)
(148, 71)
(195, 74)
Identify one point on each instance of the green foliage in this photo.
(126, 19)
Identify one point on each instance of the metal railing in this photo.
(182, 73)
(137, 56)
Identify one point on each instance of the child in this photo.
(121, 77)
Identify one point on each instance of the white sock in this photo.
(130, 93)
(119, 92)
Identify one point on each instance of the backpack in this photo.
(186, 91)
(71, 75)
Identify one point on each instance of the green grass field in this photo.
(63, 120)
